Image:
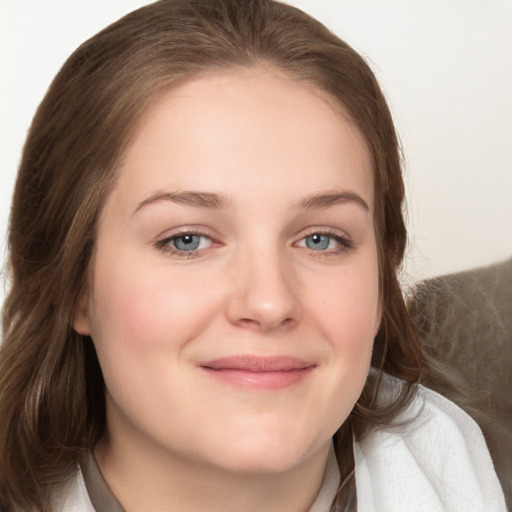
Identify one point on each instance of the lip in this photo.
(259, 372)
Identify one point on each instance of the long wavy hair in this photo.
(52, 408)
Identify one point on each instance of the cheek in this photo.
(349, 327)
(347, 308)
(141, 324)
(346, 311)
(147, 309)
(344, 308)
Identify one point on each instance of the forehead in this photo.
(258, 128)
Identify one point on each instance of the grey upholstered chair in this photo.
(465, 323)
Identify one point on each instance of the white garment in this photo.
(438, 462)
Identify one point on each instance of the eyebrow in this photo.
(210, 200)
(328, 199)
(187, 198)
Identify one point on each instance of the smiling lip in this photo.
(257, 372)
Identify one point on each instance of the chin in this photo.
(262, 462)
(266, 452)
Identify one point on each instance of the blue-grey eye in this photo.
(187, 242)
(318, 242)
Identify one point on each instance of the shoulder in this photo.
(71, 497)
(74, 496)
(434, 459)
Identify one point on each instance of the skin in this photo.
(258, 284)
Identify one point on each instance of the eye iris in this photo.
(187, 242)
(317, 242)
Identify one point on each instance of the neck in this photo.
(153, 480)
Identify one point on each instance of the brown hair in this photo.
(51, 388)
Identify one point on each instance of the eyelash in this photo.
(344, 243)
(165, 245)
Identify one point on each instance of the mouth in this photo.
(258, 372)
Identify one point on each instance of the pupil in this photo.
(187, 242)
(318, 242)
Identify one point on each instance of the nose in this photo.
(264, 293)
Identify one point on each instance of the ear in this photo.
(81, 322)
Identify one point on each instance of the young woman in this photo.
(205, 312)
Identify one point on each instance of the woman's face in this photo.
(233, 297)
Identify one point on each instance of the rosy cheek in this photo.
(348, 310)
(156, 309)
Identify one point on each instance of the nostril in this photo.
(248, 321)
(265, 325)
